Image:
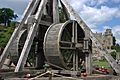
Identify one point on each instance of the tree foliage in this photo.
(5, 33)
(114, 40)
(61, 14)
(6, 15)
(113, 54)
(117, 48)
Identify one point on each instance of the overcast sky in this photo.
(98, 14)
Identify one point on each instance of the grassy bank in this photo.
(5, 33)
(101, 63)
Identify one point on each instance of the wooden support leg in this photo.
(16, 33)
(88, 63)
(76, 60)
(74, 64)
(30, 37)
(55, 11)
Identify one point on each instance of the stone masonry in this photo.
(106, 39)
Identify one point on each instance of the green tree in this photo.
(61, 14)
(117, 48)
(114, 40)
(5, 33)
(117, 44)
(6, 15)
(113, 54)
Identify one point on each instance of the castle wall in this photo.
(106, 39)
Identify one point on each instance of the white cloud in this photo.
(116, 32)
(98, 16)
(19, 18)
(107, 27)
(88, 2)
(78, 4)
(93, 15)
(96, 2)
(101, 2)
(118, 13)
(116, 1)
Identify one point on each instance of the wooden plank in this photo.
(51, 45)
(98, 77)
(90, 34)
(55, 11)
(55, 66)
(66, 42)
(44, 78)
(73, 40)
(20, 74)
(45, 23)
(16, 33)
(30, 37)
(87, 56)
(88, 63)
(76, 41)
(69, 48)
(35, 7)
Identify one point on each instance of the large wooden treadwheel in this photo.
(61, 42)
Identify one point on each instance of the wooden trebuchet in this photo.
(64, 44)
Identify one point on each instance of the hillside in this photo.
(5, 33)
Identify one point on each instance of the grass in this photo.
(5, 33)
(101, 63)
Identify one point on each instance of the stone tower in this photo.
(108, 39)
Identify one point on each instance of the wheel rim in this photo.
(60, 43)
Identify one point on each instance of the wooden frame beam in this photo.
(30, 37)
(55, 11)
(16, 33)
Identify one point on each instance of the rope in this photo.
(49, 72)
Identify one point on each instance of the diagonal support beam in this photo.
(30, 37)
(55, 11)
(90, 34)
(16, 33)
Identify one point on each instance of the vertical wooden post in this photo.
(88, 63)
(87, 51)
(76, 60)
(55, 11)
(75, 26)
(73, 40)
(50, 76)
(36, 53)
